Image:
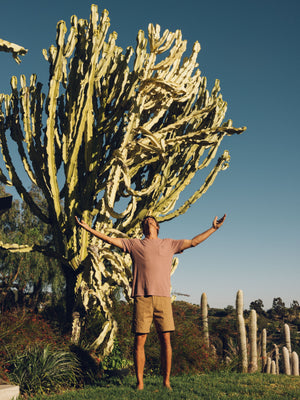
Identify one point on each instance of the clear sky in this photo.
(252, 46)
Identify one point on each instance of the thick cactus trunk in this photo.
(76, 328)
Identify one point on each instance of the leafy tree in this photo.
(111, 141)
(229, 309)
(26, 273)
(294, 309)
(257, 305)
(278, 307)
(295, 305)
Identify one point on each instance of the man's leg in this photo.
(166, 356)
(139, 358)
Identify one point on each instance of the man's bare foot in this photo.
(167, 385)
(140, 386)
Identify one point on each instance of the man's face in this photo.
(148, 223)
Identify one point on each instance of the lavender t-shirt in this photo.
(152, 263)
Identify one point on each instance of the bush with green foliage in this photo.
(190, 354)
(116, 360)
(43, 370)
(23, 329)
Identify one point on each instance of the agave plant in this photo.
(41, 370)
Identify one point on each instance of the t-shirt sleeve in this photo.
(127, 245)
(177, 245)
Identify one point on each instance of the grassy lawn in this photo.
(217, 386)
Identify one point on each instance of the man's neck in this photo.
(151, 236)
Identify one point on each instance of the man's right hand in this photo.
(83, 224)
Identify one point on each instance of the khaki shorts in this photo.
(149, 308)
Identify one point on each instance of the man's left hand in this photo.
(217, 223)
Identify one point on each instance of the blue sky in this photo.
(252, 46)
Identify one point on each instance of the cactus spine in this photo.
(241, 331)
(204, 315)
(253, 342)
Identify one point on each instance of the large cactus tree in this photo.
(112, 140)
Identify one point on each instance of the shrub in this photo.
(39, 371)
(88, 364)
(115, 360)
(22, 329)
(189, 352)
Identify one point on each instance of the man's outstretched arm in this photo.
(108, 239)
(217, 223)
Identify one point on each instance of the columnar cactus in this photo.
(264, 349)
(273, 368)
(241, 331)
(116, 134)
(287, 336)
(286, 361)
(253, 341)
(268, 366)
(204, 315)
(276, 351)
(294, 364)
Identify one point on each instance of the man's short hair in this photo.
(144, 220)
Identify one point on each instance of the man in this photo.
(151, 270)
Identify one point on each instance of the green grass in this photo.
(215, 386)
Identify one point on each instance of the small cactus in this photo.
(253, 341)
(287, 335)
(286, 361)
(273, 368)
(276, 351)
(264, 349)
(294, 364)
(204, 315)
(268, 367)
(241, 331)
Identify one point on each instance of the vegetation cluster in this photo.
(32, 347)
(33, 334)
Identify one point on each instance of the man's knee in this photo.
(140, 339)
(165, 338)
